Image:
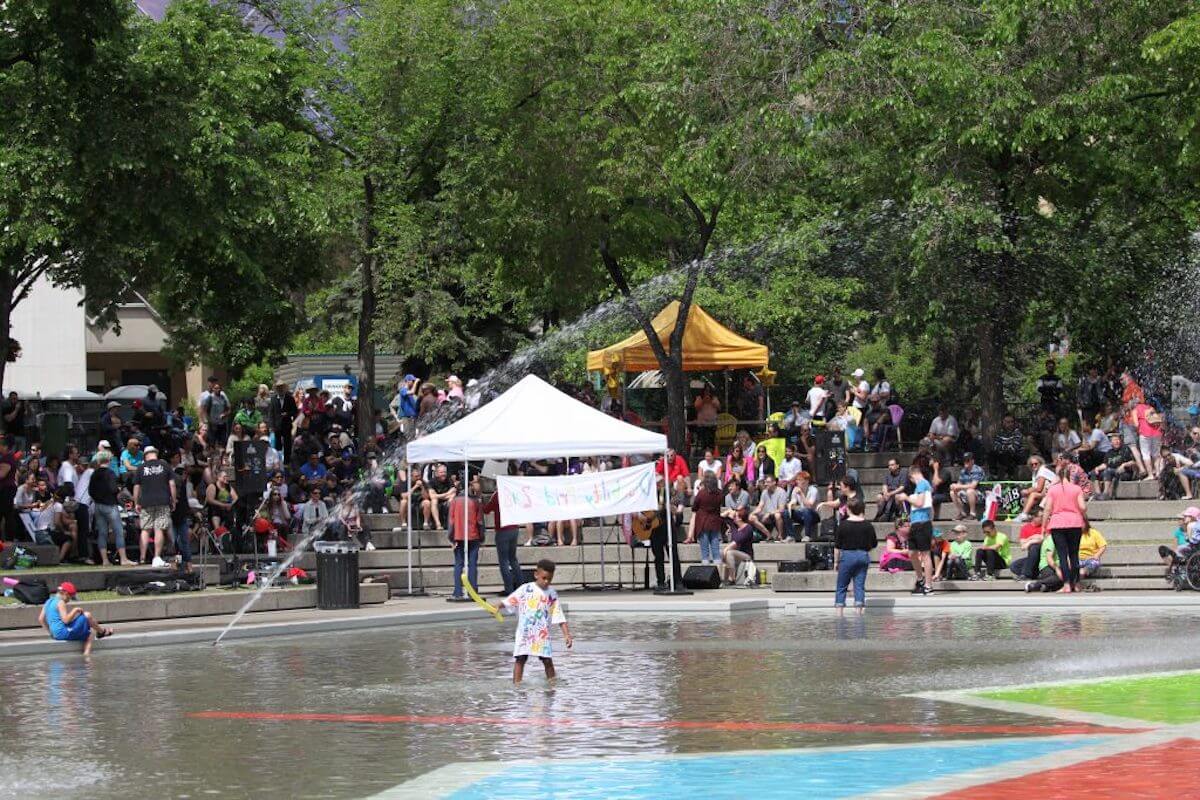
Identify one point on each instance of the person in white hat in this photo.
(454, 388)
(154, 498)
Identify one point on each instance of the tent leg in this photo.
(671, 554)
(409, 522)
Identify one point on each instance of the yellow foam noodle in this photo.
(484, 604)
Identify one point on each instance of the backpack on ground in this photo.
(32, 592)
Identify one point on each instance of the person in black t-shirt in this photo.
(154, 497)
(853, 542)
(435, 505)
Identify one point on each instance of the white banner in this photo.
(595, 494)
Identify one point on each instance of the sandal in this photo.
(102, 632)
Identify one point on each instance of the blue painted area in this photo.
(783, 774)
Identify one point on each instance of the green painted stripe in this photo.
(1170, 699)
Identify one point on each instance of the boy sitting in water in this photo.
(538, 607)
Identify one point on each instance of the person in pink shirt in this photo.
(1064, 515)
(1150, 432)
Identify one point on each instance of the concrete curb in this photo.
(693, 606)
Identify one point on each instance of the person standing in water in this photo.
(538, 608)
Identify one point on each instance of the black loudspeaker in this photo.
(831, 457)
(702, 576)
(794, 566)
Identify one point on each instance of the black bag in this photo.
(32, 592)
(702, 576)
(794, 566)
(820, 556)
(827, 529)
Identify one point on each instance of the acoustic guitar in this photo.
(643, 524)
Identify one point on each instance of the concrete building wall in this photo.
(50, 324)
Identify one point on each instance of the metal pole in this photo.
(408, 483)
(466, 513)
(670, 535)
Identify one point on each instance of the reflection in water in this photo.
(122, 717)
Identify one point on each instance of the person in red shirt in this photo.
(677, 467)
(506, 547)
(1131, 397)
(470, 519)
(1030, 541)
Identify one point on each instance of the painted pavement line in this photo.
(1036, 710)
(450, 778)
(1115, 745)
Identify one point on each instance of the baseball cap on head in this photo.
(858, 373)
(819, 379)
(68, 588)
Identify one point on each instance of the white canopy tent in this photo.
(533, 420)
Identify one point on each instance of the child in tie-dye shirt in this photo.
(538, 607)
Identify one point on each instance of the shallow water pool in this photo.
(645, 707)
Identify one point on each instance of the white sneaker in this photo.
(370, 546)
(1022, 517)
(158, 562)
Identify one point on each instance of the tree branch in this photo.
(635, 308)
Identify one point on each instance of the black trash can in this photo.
(337, 575)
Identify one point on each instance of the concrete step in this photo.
(189, 604)
(90, 579)
(876, 460)
(826, 581)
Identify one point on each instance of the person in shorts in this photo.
(920, 534)
(154, 498)
(1091, 550)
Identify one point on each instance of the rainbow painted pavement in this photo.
(1135, 737)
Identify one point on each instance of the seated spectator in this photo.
(1043, 479)
(436, 498)
(710, 464)
(248, 416)
(965, 491)
(764, 465)
(1110, 420)
(70, 625)
(896, 556)
(940, 480)
(1187, 537)
(735, 498)
(1065, 440)
(1049, 576)
(131, 459)
(1030, 541)
(1172, 483)
(740, 548)
(1008, 448)
(1091, 551)
(793, 419)
(314, 469)
(1046, 427)
(802, 506)
(52, 525)
(887, 508)
(958, 566)
(1094, 447)
(768, 516)
(1076, 473)
(789, 468)
(738, 467)
(992, 555)
(314, 515)
(943, 434)
(1118, 463)
(939, 552)
(676, 466)
(219, 500)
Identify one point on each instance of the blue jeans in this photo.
(807, 517)
(108, 519)
(853, 566)
(182, 541)
(472, 567)
(506, 552)
(710, 546)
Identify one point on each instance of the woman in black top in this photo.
(853, 543)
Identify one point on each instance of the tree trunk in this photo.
(991, 377)
(6, 292)
(365, 408)
(676, 388)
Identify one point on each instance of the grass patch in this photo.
(1170, 699)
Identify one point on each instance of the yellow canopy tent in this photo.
(707, 345)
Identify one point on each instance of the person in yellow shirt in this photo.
(1091, 550)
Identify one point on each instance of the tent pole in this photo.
(408, 522)
(466, 516)
(670, 535)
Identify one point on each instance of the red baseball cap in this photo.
(819, 379)
(68, 587)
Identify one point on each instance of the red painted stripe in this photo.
(666, 724)
(1170, 770)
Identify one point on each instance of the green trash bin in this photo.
(54, 426)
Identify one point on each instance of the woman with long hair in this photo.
(737, 465)
(1064, 515)
(706, 511)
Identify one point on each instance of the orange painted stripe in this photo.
(1170, 770)
(1062, 729)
